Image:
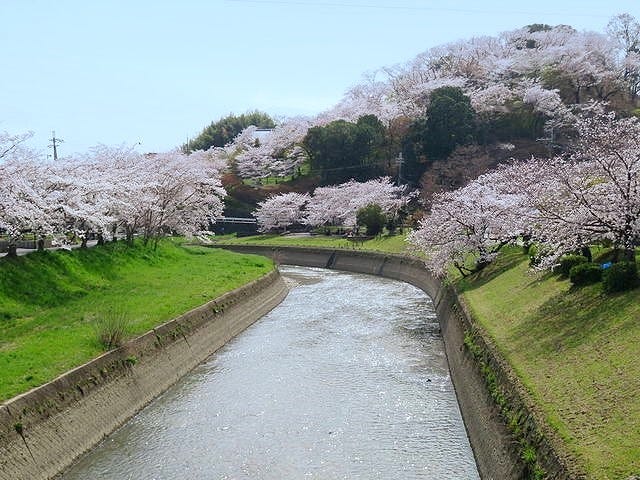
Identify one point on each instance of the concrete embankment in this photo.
(44, 430)
(489, 394)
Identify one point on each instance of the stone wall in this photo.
(43, 431)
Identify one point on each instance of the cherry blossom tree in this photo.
(466, 228)
(338, 205)
(335, 205)
(75, 191)
(280, 211)
(184, 195)
(22, 205)
(564, 204)
(594, 195)
(624, 30)
(275, 154)
(13, 146)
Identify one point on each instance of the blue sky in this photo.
(157, 72)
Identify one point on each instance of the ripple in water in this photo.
(346, 379)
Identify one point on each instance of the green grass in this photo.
(48, 300)
(576, 351)
(385, 243)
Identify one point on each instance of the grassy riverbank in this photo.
(49, 301)
(576, 351)
(386, 243)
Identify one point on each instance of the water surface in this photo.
(346, 379)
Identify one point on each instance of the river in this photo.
(346, 379)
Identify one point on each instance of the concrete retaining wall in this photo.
(44, 430)
(497, 451)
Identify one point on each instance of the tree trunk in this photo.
(128, 231)
(624, 255)
(12, 250)
(100, 239)
(40, 244)
(629, 255)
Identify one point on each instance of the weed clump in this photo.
(111, 328)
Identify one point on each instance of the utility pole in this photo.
(54, 143)
(399, 162)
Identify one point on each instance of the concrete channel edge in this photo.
(472, 358)
(44, 430)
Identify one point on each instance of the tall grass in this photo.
(112, 327)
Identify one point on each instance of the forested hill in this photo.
(447, 115)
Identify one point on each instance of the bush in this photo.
(585, 274)
(620, 277)
(371, 217)
(569, 261)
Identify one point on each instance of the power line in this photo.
(414, 8)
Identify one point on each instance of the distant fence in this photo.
(240, 225)
(4, 244)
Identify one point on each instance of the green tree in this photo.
(223, 131)
(449, 121)
(343, 150)
(371, 217)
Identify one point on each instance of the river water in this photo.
(346, 379)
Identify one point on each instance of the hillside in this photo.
(576, 352)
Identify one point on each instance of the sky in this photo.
(153, 73)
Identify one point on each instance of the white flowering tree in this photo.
(467, 228)
(276, 153)
(594, 195)
(280, 211)
(564, 204)
(338, 205)
(22, 204)
(110, 188)
(184, 195)
(624, 31)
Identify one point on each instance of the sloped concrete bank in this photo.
(43, 431)
(502, 422)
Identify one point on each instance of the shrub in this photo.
(569, 261)
(585, 274)
(620, 277)
(371, 217)
(111, 328)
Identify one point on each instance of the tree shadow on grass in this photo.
(574, 318)
(508, 259)
(53, 278)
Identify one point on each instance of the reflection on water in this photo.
(346, 379)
